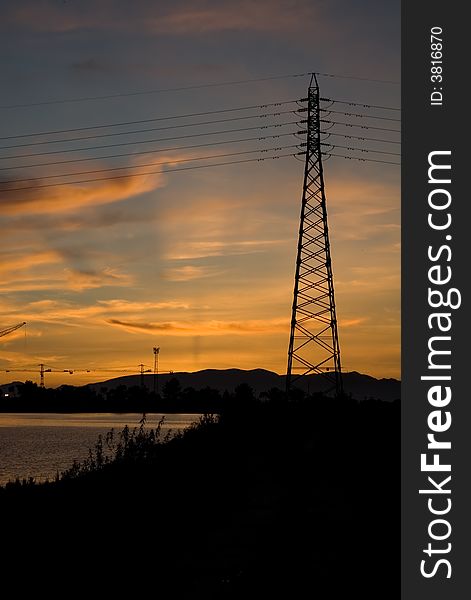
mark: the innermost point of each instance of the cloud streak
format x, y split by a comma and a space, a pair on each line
11, 264
203, 328
48, 270
61, 312
189, 273
70, 198
188, 17
205, 249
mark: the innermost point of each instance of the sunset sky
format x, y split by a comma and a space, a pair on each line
198, 262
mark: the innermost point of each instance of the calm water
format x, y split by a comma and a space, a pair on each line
39, 445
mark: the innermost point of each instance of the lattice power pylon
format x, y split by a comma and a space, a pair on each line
314, 343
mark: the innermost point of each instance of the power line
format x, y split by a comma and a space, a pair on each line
359, 126
136, 131
225, 163
358, 78
134, 143
147, 141
247, 160
386, 162
350, 103
186, 115
153, 164
189, 87
139, 121
328, 132
192, 146
355, 137
144, 152
157, 91
349, 114
360, 149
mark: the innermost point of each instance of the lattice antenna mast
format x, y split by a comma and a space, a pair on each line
314, 343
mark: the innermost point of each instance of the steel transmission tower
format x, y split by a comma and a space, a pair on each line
314, 344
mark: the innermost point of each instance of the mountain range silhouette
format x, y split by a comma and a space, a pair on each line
358, 385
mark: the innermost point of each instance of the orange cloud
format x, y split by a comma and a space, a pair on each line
54, 311
85, 280
371, 279
359, 210
40, 271
351, 322
188, 273
12, 263
72, 197
192, 328
204, 249
119, 305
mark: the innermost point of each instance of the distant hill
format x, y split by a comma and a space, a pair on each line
358, 385
6, 387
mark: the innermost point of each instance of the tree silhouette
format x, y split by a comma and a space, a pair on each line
172, 390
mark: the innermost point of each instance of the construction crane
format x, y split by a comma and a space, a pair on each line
11, 329
142, 371
42, 369
47, 369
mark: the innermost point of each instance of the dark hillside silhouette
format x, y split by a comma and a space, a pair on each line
179, 392
356, 384
125, 394
271, 497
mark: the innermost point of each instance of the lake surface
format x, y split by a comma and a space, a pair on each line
39, 445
